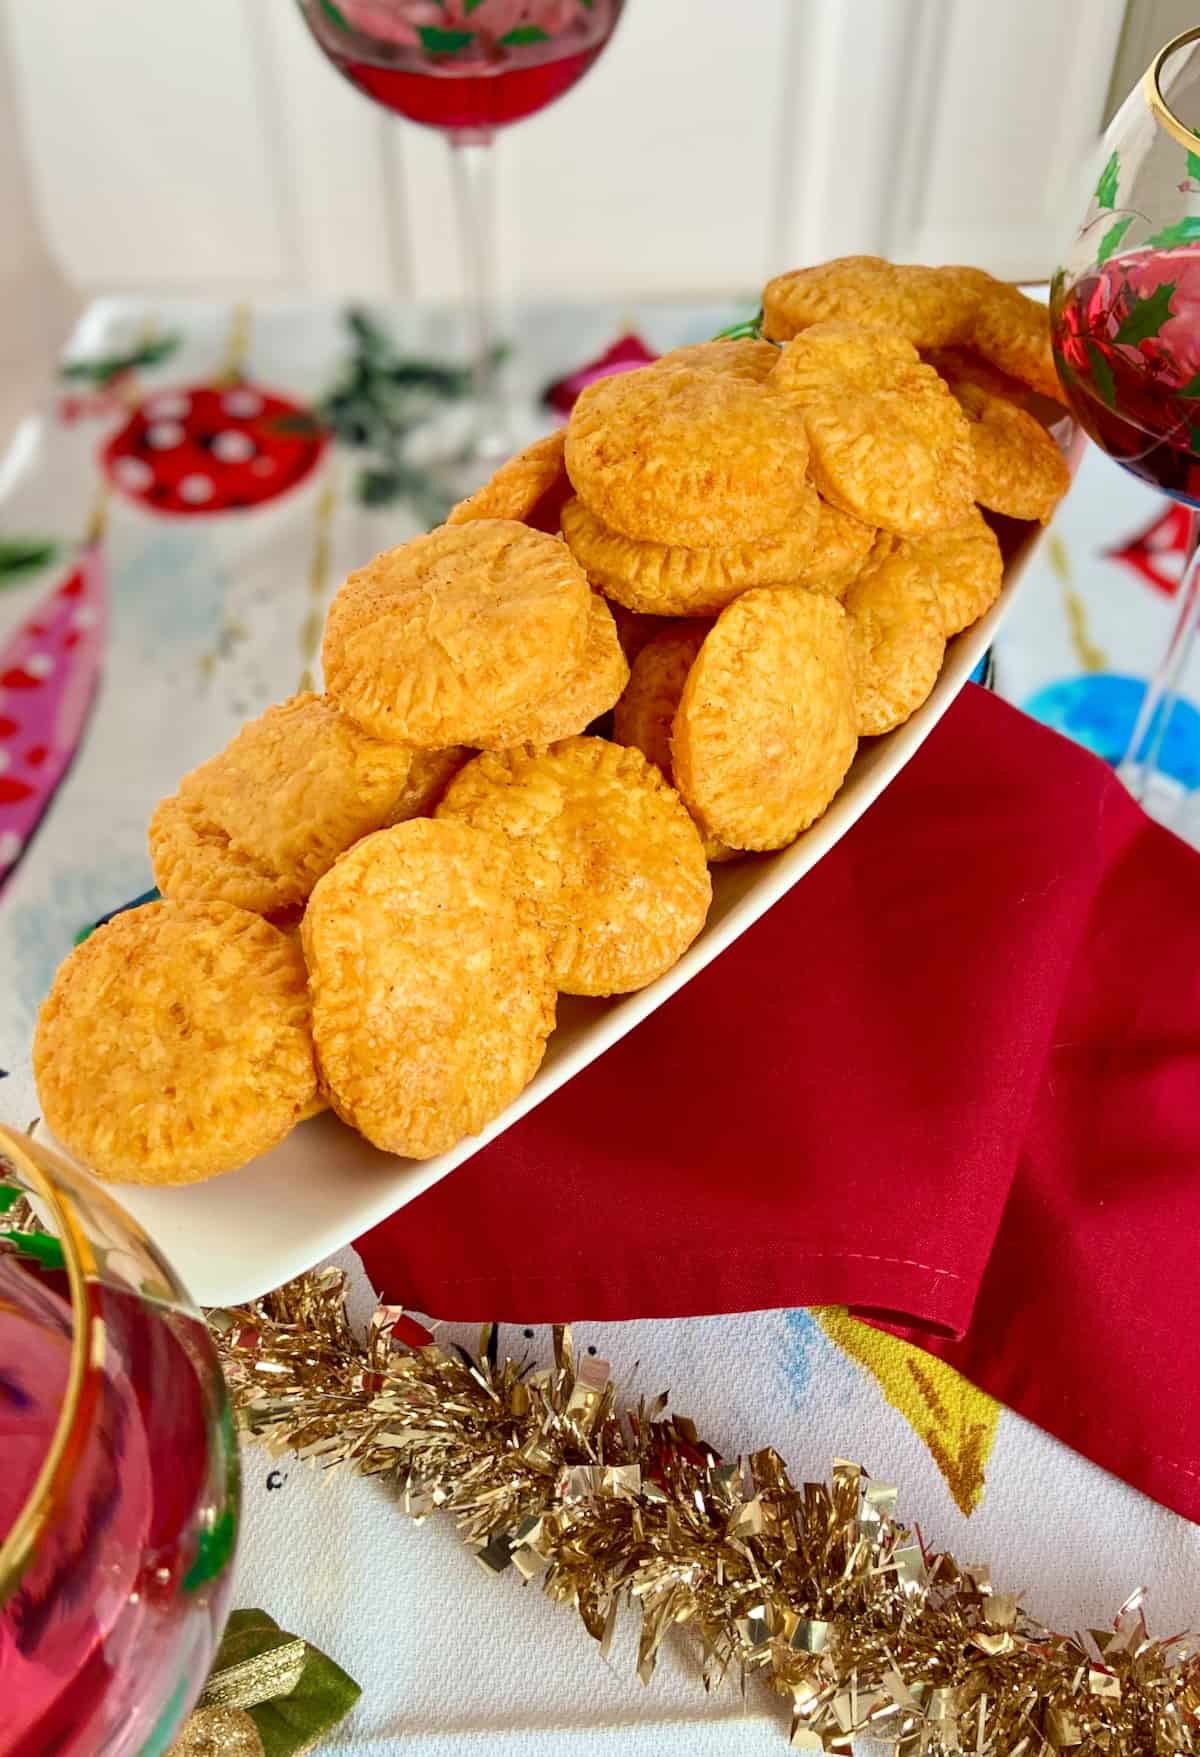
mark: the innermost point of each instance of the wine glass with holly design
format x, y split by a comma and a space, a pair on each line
1125, 322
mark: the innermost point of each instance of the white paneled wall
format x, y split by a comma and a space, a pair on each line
204, 144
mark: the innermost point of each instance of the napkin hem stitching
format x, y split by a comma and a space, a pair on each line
734, 1256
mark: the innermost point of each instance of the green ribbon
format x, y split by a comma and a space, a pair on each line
293, 1693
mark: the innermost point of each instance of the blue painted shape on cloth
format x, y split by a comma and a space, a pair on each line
804, 1341
1098, 710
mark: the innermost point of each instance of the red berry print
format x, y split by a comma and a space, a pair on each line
212, 449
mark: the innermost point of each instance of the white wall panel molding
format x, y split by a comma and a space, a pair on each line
1018, 107
208, 147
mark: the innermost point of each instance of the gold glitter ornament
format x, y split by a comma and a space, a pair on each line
218, 1732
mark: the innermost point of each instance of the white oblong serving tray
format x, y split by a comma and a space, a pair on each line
240, 1235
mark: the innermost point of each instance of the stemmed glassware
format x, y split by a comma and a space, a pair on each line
467, 68
118, 1475
1125, 320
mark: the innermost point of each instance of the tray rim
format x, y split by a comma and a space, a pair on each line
178, 1219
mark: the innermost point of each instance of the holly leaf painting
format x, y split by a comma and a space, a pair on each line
214, 1551
1146, 317
1185, 231
1102, 376
1112, 238
443, 42
1106, 189
22, 555
380, 487
371, 339
1193, 165
443, 381
335, 15
525, 33
43, 1247
103, 370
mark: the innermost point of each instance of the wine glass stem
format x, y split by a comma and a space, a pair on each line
472, 175
1140, 767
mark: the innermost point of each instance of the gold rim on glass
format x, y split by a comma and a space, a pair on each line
87, 1353
1152, 87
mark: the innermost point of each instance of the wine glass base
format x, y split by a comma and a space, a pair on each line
462, 447
1164, 799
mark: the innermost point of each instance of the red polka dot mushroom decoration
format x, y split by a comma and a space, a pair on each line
212, 448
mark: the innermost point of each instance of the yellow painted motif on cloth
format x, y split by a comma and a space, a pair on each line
955, 1421
1090, 656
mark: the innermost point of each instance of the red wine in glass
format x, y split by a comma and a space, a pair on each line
1126, 341
99, 1637
118, 1475
465, 70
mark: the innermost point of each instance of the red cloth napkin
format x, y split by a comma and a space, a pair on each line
952, 1080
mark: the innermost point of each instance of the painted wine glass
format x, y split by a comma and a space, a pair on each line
1125, 324
119, 1482
467, 68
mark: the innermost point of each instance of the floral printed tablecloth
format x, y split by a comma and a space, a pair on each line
173, 522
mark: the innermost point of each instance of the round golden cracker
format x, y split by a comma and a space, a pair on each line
587, 693
963, 366
964, 566
287, 794
688, 456
896, 638
429, 776
765, 730
1019, 469
834, 360
841, 548
446, 638
175, 1043
634, 631
517, 487
431, 991
889, 444
899, 460
736, 357
930, 307
195, 862
633, 887
1012, 332
659, 579
645, 713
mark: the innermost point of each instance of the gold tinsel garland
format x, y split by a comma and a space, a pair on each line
814, 1589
